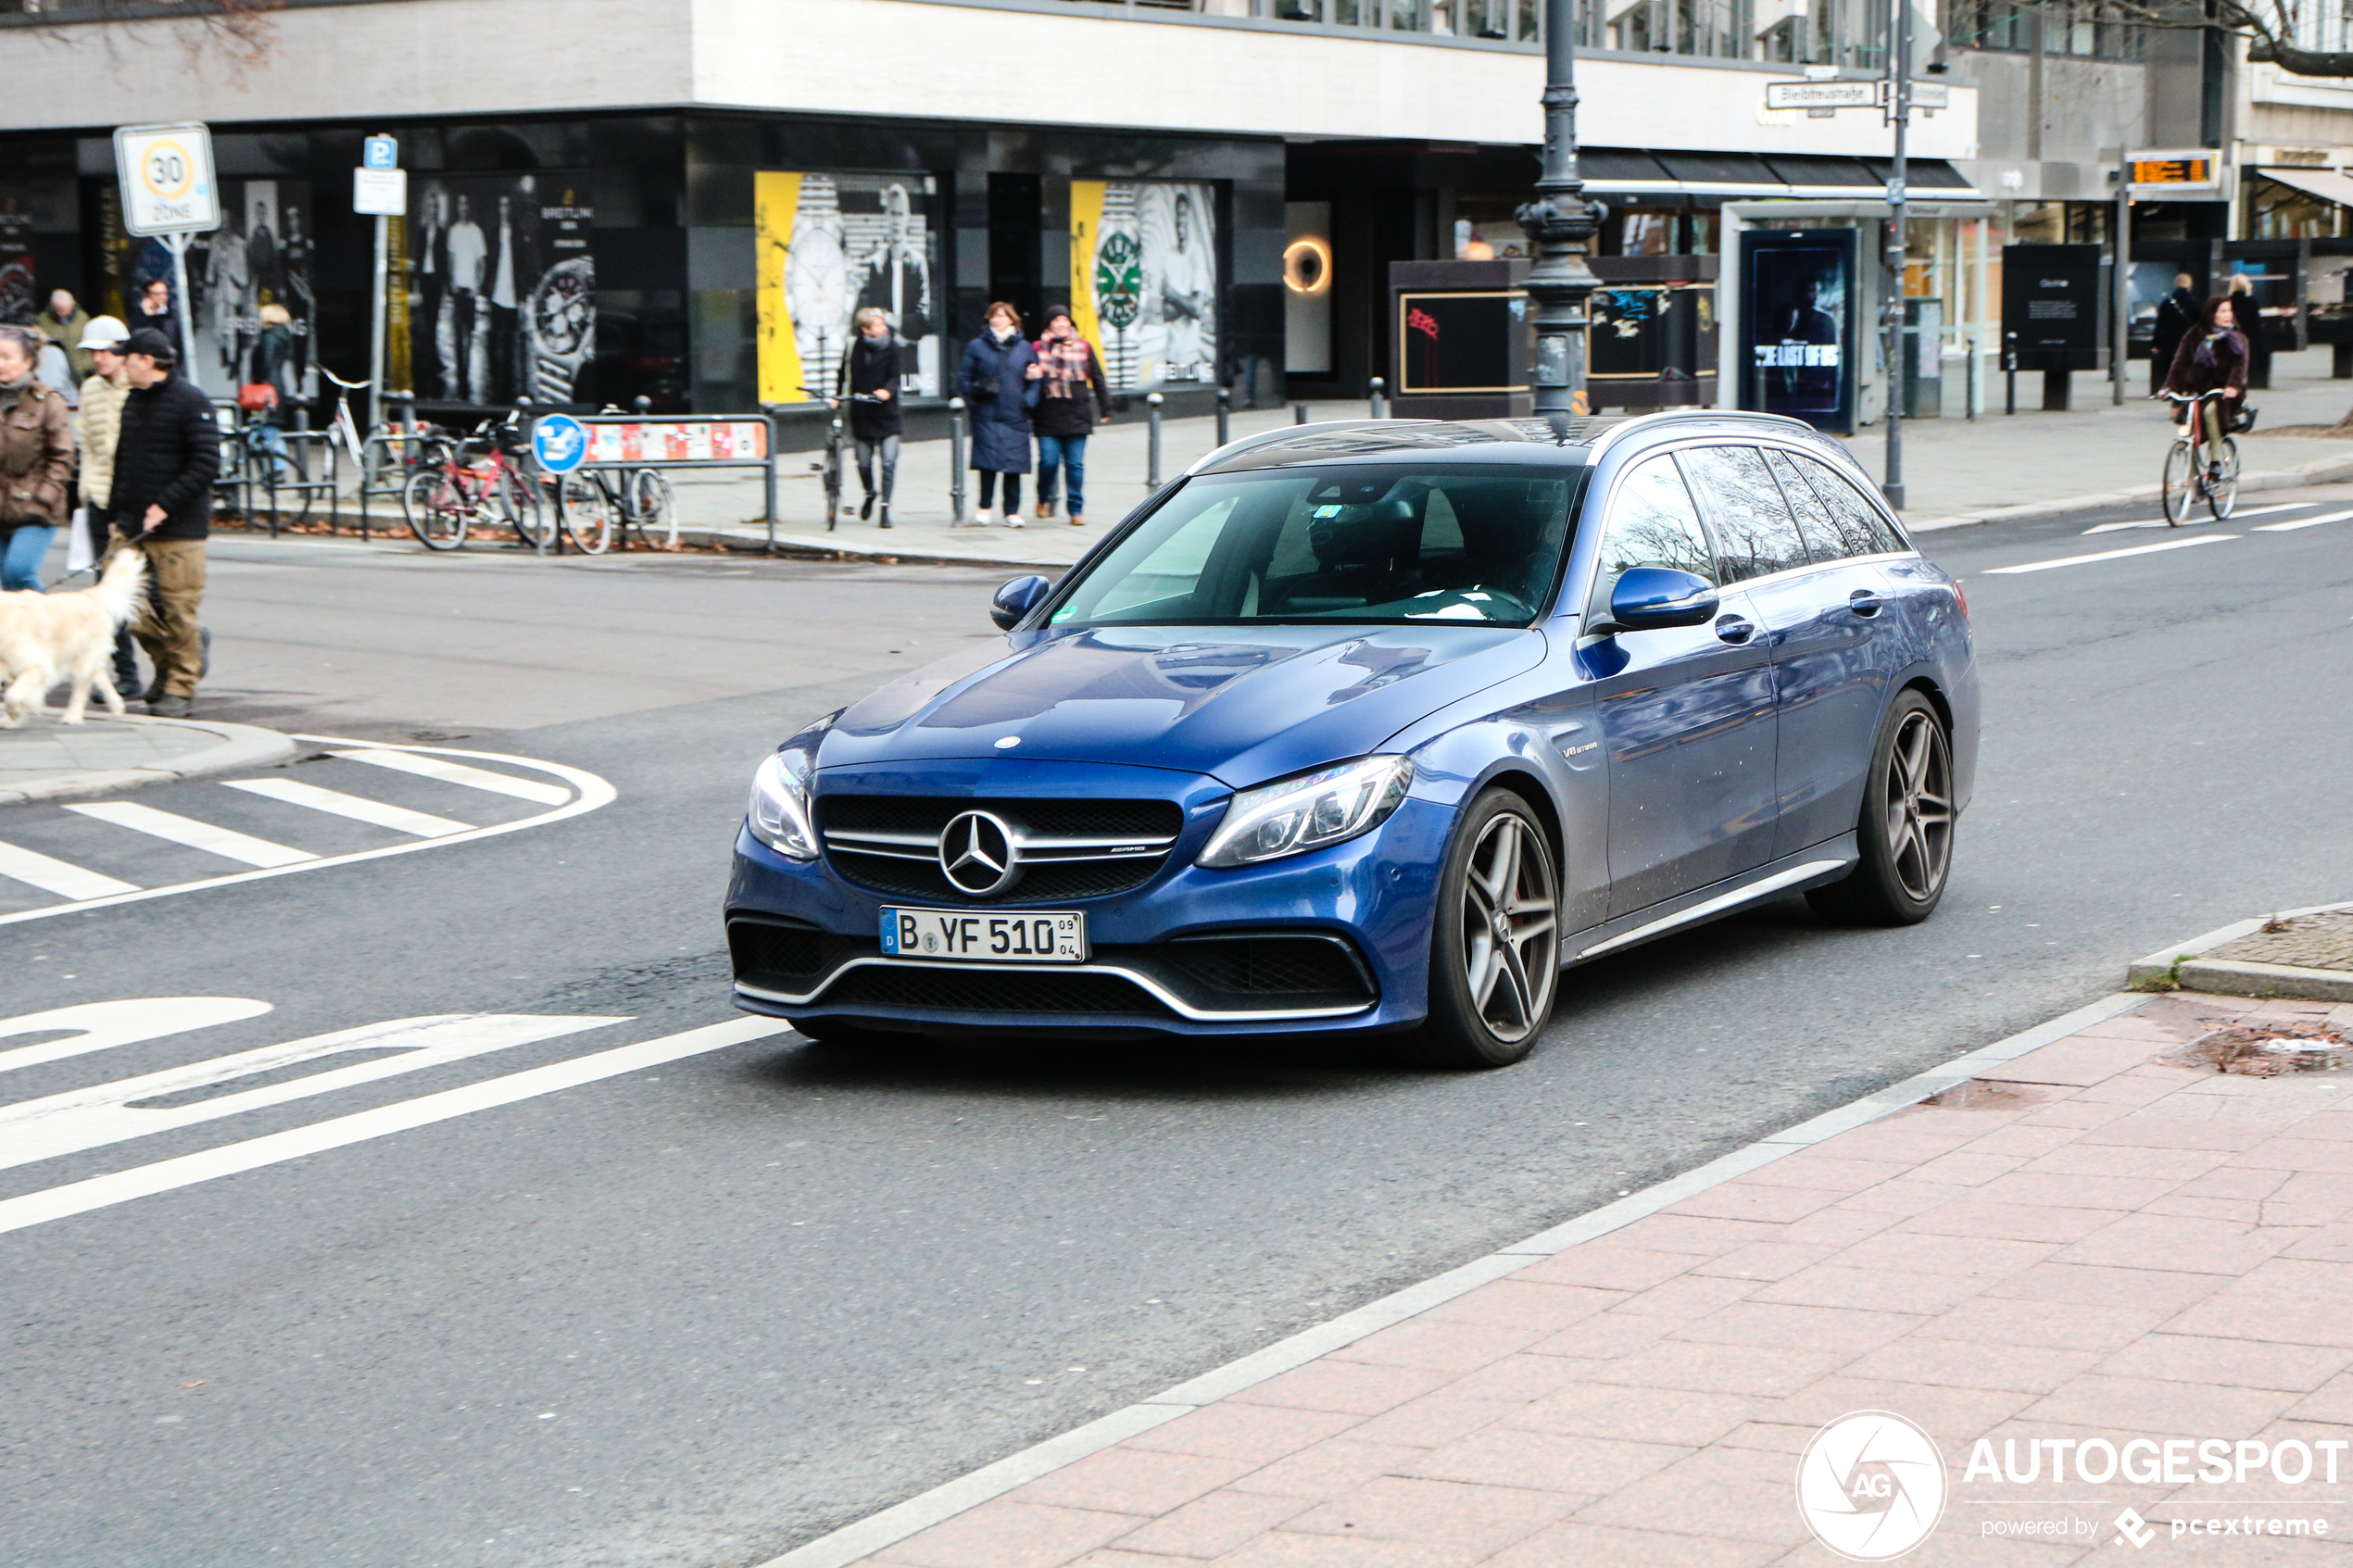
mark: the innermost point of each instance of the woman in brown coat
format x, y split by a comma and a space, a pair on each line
36, 461
2213, 358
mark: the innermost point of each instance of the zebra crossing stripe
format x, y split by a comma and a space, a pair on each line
228, 845
61, 877
459, 774
357, 807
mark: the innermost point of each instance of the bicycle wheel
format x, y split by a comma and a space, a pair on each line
2181, 473
833, 477
652, 504
2223, 490
519, 504
437, 513
590, 510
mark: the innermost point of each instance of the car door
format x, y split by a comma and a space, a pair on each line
1686, 712
1841, 652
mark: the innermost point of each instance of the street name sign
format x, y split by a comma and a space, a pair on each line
1821, 94
166, 173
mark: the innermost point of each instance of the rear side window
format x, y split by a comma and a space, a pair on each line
1652, 522
1859, 523
1754, 532
1824, 541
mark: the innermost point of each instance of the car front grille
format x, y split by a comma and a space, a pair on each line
1067, 850
1263, 970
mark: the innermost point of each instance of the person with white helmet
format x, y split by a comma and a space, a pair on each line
102, 397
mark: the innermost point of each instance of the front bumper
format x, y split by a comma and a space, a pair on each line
1335, 939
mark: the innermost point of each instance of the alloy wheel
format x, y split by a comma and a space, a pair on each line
1509, 926
1920, 807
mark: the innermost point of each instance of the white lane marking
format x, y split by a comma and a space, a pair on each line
105, 1113
2112, 527
228, 845
2108, 555
590, 793
164, 1176
357, 807
459, 774
2236, 516
2299, 522
103, 1025
61, 877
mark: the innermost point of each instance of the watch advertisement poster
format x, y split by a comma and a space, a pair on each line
502, 287
830, 245
251, 280
1798, 325
1143, 278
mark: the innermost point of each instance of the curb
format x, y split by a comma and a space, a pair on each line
241, 746
2321, 471
841, 1548
801, 548
2184, 965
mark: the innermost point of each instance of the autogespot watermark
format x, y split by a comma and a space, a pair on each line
1872, 1486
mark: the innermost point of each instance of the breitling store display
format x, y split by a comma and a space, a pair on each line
1143, 278
259, 256
833, 245
502, 287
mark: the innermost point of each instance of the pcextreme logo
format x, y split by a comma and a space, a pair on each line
1870, 1485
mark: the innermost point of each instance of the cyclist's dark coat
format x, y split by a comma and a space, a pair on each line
871, 365
2227, 374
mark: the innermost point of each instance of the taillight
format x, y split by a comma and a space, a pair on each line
1960, 598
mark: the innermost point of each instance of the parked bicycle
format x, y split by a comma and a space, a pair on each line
599, 505
2196, 468
479, 484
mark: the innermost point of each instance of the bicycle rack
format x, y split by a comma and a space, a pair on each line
256, 467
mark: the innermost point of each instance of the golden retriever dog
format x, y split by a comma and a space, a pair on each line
45, 638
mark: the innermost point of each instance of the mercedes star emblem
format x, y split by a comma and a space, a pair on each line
977, 854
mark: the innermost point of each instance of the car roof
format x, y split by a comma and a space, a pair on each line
1558, 440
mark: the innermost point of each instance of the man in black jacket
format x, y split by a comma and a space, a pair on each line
164, 461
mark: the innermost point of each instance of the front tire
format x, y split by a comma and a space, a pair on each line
1494, 963
1905, 832
2179, 476
2222, 491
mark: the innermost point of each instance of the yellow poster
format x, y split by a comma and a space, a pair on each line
775, 199
1086, 227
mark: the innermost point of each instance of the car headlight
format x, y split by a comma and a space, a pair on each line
1309, 811
779, 816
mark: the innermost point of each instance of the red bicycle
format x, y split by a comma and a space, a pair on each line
481, 482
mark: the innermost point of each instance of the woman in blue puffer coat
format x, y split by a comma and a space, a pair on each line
998, 388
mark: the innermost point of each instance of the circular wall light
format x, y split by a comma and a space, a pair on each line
1307, 267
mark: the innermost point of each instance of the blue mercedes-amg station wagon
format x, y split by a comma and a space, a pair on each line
1378, 727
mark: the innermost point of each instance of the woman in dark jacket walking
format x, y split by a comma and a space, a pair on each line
998, 388
1071, 389
870, 373
2212, 358
36, 460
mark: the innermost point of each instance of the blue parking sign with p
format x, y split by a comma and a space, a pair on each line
380, 152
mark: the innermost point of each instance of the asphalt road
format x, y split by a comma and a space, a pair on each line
697, 1313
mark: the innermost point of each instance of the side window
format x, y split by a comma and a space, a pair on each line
1858, 518
1755, 532
1821, 529
1652, 522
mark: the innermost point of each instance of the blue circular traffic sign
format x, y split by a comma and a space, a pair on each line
559, 442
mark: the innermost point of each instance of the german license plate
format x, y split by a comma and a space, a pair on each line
1025, 936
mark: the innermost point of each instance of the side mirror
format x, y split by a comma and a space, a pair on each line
1648, 597
1020, 596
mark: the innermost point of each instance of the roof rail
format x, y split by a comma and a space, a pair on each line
1641, 422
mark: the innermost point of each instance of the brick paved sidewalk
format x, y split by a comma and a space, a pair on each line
2084, 1242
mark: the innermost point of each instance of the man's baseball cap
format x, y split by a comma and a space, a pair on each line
103, 331
151, 343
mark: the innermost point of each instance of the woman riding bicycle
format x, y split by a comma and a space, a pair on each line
2212, 359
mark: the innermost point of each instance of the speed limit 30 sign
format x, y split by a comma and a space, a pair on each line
168, 186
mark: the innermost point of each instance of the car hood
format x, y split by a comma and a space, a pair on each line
1241, 704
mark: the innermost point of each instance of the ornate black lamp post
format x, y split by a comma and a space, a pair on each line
1559, 224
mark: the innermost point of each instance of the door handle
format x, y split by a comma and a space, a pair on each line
1735, 628
1862, 601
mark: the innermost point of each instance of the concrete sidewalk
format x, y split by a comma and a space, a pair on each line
2090, 1241
46, 759
1956, 470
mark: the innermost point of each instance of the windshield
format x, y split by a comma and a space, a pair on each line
1384, 543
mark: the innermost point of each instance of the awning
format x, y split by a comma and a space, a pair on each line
1625, 176
2326, 183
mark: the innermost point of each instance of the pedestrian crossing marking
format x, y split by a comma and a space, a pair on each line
357, 807
459, 774
65, 880
91, 1118
212, 840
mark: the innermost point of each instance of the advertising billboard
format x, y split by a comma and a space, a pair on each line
1797, 333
